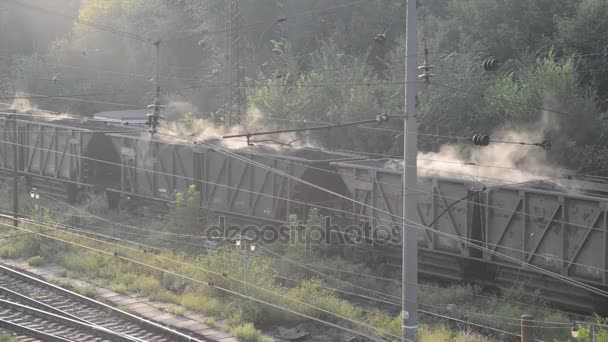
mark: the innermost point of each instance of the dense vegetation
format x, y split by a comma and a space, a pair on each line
553, 54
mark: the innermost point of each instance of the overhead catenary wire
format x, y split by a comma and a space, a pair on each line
416, 225
75, 99
346, 212
332, 209
213, 285
81, 21
338, 210
541, 323
309, 265
462, 240
425, 311
35, 96
376, 299
498, 98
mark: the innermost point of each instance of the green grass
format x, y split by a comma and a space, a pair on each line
35, 261
4, 337
119, 287
166, 296
210, 321
176, 310
202, 303
246, 332
87, 291
145, 285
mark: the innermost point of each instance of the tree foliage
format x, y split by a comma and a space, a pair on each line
320, 63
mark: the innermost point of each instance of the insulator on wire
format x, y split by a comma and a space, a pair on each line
546, 145
380, 38
491, 64
481, 140
426, 68
382, 118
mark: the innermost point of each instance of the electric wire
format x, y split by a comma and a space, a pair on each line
364, 216
73, 98
214, 285
424, 311
501, 99
375, 299
388, 221
191, 236
416, 225
140, 245
83, 22
464, 241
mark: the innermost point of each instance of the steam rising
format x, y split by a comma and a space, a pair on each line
205, 130
498, 163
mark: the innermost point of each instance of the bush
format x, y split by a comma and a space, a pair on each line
165, 296
202, 303
210, 321
88, 291
119, 287
35, 261
4, 337
176, 310
145, 285
246, 332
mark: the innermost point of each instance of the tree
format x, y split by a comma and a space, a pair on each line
584, 35
187, 216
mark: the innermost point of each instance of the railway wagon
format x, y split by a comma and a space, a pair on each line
68, 157
564, 232
378, 187
241, 183
55, 155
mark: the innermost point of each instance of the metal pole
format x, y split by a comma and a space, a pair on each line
593, 333
15, 174
527, 330
409, 281
245, 266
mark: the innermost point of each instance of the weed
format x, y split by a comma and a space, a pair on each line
210, 321
35, 261
65, 283
176, 310
87, 291
246, 332
119, 287
165, 296
145, 285
202, 303
4, 337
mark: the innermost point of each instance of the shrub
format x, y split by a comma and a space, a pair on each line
176, 310
88, 290
165, 296
210, 321
119, 287
35, 261
4, 337
145, 285
246, 332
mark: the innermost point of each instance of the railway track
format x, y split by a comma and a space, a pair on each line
36, 310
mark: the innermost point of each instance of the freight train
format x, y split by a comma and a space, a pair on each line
561, 230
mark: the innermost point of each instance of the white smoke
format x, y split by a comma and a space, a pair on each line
205, 130
504, 161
